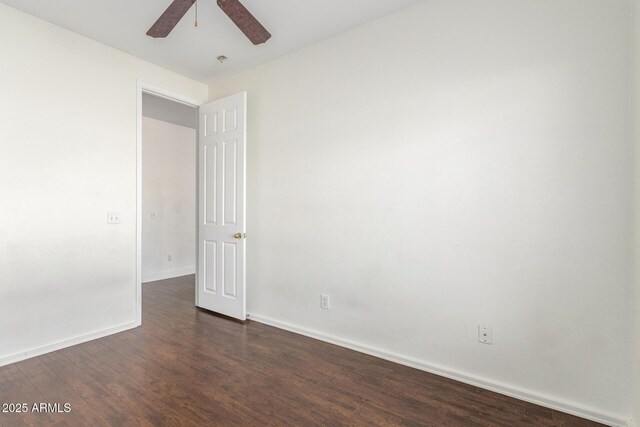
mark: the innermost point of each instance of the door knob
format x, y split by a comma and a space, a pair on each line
240, 236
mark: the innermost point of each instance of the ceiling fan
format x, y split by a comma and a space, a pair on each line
235, 10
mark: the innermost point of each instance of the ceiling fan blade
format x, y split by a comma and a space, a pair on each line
247, 23
170, 18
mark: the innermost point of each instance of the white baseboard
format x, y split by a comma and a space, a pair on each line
168, 274
27, 354
511, 391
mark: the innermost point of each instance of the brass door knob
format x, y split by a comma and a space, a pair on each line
240, 236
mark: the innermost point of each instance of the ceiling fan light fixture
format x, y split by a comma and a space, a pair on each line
235, 10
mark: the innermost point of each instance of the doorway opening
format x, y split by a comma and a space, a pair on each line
169, 205
166, 195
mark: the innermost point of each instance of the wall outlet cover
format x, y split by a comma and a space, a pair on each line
485, 334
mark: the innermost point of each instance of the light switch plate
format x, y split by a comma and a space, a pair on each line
485, 334
325, 302
113, 217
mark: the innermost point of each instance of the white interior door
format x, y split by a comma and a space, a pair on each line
221, 212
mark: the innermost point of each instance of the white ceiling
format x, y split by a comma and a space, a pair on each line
192, 52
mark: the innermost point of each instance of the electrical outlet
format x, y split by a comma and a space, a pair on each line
169, 258
325, 302
113, 217
485, 334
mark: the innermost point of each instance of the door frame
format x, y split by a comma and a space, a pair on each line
143, 87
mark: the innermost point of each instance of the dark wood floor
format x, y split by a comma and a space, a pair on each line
188, 367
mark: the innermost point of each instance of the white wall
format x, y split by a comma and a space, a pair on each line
168, 200
456, 163
67, 156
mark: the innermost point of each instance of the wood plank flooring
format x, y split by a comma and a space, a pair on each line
188, 367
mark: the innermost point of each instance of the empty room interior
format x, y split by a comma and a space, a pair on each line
336, 212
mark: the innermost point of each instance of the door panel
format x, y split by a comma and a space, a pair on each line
230, 176
230, 261
221, 222
210, 276
210, 184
